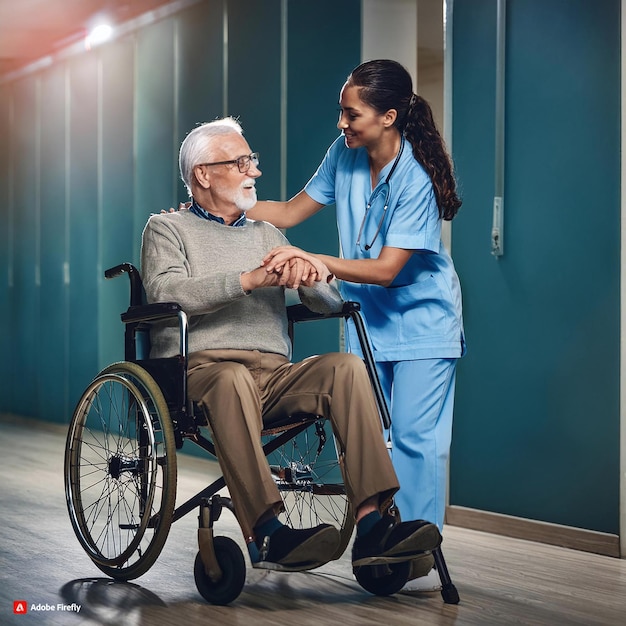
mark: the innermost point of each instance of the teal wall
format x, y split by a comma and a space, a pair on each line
89, 150
537, 418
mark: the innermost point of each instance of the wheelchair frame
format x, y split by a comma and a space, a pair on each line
138, 457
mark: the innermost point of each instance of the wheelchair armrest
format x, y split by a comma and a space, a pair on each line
300, 313
138, 314
137, 317
151, 312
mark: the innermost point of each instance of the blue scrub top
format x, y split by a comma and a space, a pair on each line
419, 315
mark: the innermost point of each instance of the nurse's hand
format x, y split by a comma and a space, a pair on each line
277, 258
181, 207
295, 273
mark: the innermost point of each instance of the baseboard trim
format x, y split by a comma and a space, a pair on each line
533, 530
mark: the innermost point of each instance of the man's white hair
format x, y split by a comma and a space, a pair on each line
199, 145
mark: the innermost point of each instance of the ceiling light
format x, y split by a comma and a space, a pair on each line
98, 35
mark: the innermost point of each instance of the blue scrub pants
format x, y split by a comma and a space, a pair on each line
420, 396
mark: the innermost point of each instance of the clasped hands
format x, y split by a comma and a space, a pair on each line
286, 266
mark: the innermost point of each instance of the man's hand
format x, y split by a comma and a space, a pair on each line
294, 273
258, 278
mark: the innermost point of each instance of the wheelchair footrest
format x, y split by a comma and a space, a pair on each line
277, 567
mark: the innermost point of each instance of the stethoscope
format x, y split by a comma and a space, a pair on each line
377, 192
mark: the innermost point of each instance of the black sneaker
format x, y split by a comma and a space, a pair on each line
392, 542
289, 549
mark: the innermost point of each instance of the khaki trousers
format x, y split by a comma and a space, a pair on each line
242, 391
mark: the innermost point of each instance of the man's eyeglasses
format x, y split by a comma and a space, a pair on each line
243, 162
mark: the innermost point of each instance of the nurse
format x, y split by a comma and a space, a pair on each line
392, 182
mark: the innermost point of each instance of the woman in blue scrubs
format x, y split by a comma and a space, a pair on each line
392, 182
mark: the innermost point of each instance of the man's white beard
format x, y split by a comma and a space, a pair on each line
244, 201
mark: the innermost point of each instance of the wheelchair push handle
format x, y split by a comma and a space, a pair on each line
118, 270
136, 286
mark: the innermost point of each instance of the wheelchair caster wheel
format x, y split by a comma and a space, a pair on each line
383, 580
233, 565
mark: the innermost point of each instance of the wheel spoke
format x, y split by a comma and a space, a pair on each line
308, 477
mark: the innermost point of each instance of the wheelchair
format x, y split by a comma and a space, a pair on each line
120, 463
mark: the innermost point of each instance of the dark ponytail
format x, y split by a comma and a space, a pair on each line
387, 85
429, 150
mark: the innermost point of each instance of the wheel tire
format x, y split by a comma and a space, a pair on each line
319, 496
233, 565
383, 580
120, 471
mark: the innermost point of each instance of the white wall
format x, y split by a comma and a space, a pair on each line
389, 31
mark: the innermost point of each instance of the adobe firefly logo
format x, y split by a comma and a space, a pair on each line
20, 607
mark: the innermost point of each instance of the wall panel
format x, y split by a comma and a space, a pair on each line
117, 191
84, 215
156, 185
6, 248
199, 90
52, 372
537, 419
26, 246
254, 82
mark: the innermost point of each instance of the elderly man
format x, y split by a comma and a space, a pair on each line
208, 259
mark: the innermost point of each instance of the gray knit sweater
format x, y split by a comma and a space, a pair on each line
197, 263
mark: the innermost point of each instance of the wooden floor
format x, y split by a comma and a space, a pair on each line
501, 581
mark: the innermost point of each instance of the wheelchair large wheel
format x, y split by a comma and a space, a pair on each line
120, 471
307, 473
